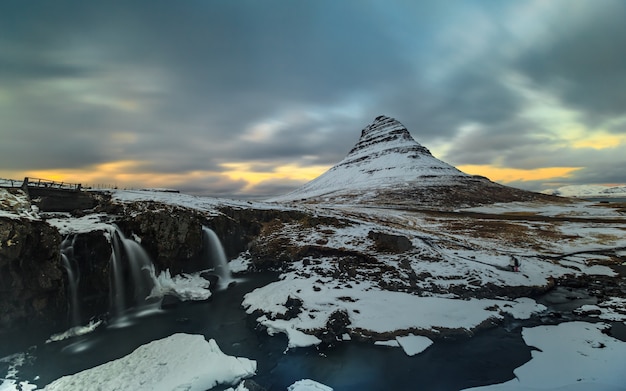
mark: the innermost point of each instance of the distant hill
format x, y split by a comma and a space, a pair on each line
388, 167
588, 191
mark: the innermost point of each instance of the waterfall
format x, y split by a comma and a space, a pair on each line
128, 252
67, 256
216, 258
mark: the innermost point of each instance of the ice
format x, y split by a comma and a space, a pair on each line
414, 344
184, 286
178, 362
75, 331
308, 385
372, 309
571, 356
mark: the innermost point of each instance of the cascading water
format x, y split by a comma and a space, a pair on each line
139, 279
67, 256
217, 258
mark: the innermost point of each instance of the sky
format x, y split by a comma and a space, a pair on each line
254, 98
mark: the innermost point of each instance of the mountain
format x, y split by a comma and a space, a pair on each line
388, 167
589, 191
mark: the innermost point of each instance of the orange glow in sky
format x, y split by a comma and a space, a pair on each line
505, 175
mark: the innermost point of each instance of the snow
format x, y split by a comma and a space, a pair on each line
414, 344
612, 309
208, 205
184, 286
68, 225
574, 355
379, 160
15, 204
240, 264
369, 308
579, 209
178, 362
240, 387
392, 343
10, 382
589, 191
75, 332
308, 385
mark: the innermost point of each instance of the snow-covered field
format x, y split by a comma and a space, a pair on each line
574, 356
456, 277
178, 362
589, 191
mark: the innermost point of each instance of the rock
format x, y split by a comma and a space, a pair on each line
336, 326
32, 284
92, 254
172, 235
294, 308
390, 243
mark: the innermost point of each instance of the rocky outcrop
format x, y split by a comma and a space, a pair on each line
171, 235
92, 254
31, 280
385, 242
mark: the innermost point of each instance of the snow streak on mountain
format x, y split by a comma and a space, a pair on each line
387, 166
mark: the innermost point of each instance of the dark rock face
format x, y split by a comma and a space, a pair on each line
171, 235
92, 254
386, 131
54, 200
335, 327
390, 243
31, 280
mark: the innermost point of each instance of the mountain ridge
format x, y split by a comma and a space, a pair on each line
388, 167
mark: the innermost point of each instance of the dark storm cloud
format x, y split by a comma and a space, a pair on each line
223, 64
181, 87
584, 63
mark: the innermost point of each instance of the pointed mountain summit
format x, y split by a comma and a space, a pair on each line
388, 167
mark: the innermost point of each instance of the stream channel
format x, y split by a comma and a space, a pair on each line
488, 357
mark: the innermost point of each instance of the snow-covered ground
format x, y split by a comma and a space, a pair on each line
178, 362
589, 191
405, 299
372, 311
575, 356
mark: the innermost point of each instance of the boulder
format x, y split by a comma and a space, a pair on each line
390, 243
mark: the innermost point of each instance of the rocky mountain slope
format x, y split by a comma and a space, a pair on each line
388, 167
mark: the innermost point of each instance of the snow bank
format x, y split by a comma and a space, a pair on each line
370, 308
571, 356
308, 385
9, 383
414, 344
67, 224
178, 362
15, 204
75, 331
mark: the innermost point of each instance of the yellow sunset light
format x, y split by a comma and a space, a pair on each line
503, 174
247, 172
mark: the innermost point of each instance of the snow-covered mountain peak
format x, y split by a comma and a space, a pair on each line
385, 134
387, 166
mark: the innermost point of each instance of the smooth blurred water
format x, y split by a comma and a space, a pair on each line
488, 357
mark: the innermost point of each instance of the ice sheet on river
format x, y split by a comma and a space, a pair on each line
572, 356
180, 361
371, 309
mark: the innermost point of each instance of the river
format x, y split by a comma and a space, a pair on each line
488, 357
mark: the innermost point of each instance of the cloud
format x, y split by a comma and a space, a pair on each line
583, 63
185, 88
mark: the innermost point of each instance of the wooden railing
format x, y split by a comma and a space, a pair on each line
10, 183
48, 184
